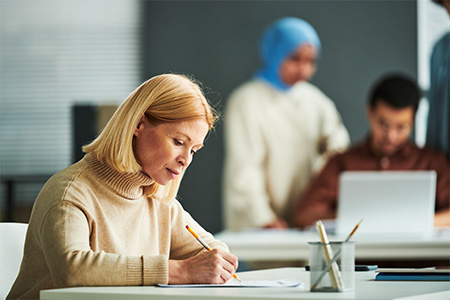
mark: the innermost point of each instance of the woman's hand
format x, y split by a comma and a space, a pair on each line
215, 266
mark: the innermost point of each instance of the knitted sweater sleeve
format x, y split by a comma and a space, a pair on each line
183, 244
64, 236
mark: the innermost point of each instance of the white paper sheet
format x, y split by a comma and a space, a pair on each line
289, 282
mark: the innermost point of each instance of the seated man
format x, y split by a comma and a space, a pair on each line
390, 110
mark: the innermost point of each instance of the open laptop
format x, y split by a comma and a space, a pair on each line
389, 202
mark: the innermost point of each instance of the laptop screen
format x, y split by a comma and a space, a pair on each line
389, 202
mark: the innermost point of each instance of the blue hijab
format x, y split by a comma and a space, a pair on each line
279, 41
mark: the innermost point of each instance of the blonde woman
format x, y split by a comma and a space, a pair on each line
112, 218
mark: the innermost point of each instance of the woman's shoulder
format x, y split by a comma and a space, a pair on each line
250, 91
68, 174
311, 90
58, 188
72, 182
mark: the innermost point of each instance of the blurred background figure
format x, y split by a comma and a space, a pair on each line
391, 108
439, 93
279, 130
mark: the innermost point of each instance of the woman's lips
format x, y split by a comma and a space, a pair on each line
173, 174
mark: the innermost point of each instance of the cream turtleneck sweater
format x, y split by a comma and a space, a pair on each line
93, 226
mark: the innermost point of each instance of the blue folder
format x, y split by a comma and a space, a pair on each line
416, 275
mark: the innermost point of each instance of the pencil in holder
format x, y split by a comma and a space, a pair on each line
332, 266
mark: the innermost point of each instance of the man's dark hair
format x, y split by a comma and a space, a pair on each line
397, 90
439, 2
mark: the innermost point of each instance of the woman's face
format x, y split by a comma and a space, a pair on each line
164, 151
300, 66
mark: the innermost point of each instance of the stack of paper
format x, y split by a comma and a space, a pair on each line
290, 282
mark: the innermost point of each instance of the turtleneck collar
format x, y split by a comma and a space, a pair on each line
128, 185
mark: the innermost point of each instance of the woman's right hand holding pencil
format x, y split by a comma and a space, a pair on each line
210, 267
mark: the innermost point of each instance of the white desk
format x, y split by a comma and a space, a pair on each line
366, 288
288, 245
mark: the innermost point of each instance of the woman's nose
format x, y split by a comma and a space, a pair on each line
185, 159
181, 161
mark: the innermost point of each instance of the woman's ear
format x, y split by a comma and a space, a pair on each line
140, 126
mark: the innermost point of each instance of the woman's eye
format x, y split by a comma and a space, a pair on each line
193, 152
295, 58
178, 142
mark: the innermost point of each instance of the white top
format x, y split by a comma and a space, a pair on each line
272, 143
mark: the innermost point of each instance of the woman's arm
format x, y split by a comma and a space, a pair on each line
189, 261
65, 239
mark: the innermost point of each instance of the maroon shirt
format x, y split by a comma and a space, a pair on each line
320, 197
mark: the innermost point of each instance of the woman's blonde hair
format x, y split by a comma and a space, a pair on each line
163, 98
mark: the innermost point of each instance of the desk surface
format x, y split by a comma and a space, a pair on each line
284, 245
366, 288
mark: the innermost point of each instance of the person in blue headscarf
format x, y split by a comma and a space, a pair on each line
289, 50
279, 130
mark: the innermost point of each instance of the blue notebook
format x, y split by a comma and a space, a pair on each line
414, 275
